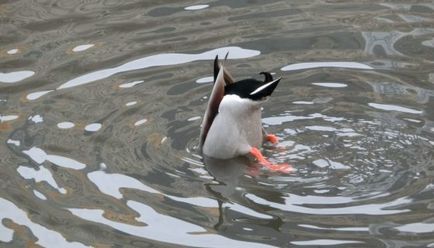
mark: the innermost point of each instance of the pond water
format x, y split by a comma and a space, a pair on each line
101, 104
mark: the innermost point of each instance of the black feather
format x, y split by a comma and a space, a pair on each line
216, 67
268, 76
245, 87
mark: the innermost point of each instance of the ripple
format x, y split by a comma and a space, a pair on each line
39, 195
45, 237
39, 156
36, 119
205, 80
41, 175
14, 142
331, 85
194, 118
132, 103
131, 84
416, 228
362, 173
326, 163
140, 122
324, 242
65, 162
390, 107
347, 229
197, 7
312, 65
428, 43
156, 228
321, 128
295, 203
159, 60
93, 127
111, 183
303, 102
16, 76
4, 118
82, 48
13, 51
38, 94
65, 125
278, 120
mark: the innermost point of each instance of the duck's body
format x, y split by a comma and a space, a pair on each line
232, 124
235, 130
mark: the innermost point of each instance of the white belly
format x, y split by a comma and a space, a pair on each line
232, 136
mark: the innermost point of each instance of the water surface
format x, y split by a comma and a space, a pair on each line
101, 103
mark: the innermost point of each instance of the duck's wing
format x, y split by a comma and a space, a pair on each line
217, 94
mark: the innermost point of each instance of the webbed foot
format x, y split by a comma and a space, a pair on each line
272, 138
256, 153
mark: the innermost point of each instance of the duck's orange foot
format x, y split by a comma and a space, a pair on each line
271, 138
285, 168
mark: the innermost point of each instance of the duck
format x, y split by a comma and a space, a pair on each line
232, 123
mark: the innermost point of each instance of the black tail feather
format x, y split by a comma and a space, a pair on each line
216, 67
268, 76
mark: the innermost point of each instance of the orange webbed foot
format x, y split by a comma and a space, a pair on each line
285, 168
271, 138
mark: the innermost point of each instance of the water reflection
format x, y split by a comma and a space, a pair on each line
65, 125
45, 237
205, 80
295, 203
38, 94
131, 84
36, 119
115, 163
13, 51
417, 228
153, 225
324, 242
389, 107
4, 118
227, 173
40, 156
39, 195
331, 85
312, 65
160, 60
197, 7
40, 175
15, 76
428, 43
82, 48
111, 183
93, 127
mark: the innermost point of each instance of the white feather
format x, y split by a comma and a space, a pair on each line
236, 128
263, 87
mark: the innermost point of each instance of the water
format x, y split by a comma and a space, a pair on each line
101, 102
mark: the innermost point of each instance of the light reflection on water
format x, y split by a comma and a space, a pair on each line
159, 60
157, 228
337, 64
100, 107
15, 76
46, 237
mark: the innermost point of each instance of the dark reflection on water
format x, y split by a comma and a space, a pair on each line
101, 103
